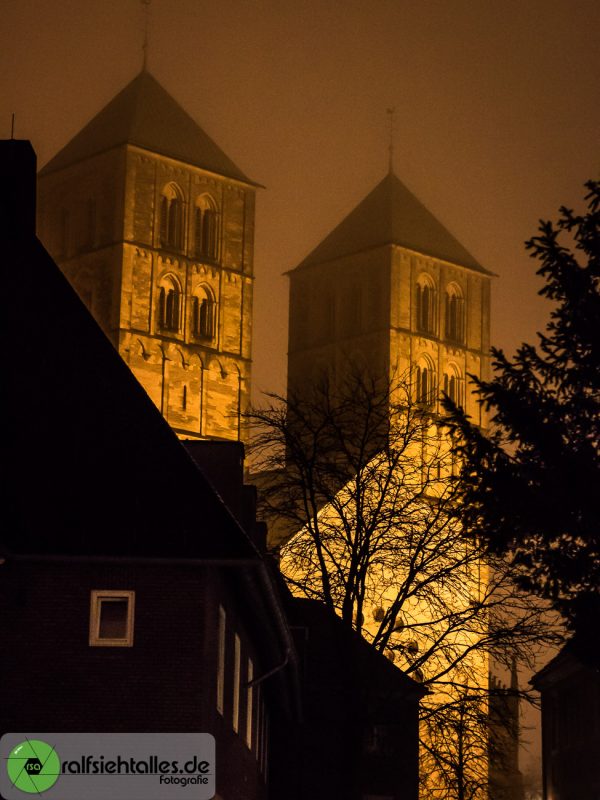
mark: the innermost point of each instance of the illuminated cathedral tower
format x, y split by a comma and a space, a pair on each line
154, 226
390, 288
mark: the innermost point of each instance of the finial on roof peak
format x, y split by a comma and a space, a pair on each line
391, 114
146, 11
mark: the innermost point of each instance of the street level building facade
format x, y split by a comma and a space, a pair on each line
154, 227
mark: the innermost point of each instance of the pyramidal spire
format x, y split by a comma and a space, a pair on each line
144, 114
391, 116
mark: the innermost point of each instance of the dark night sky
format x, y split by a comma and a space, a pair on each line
497, 106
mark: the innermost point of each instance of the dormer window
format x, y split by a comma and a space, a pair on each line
169, 304
205, 228
171, 217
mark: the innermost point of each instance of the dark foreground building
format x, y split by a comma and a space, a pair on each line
134, 592
570, 690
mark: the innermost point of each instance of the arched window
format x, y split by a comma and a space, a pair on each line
454, 384
425, 382
455, 314
425, 304
171, 217
203, 314
169, 304
205, 228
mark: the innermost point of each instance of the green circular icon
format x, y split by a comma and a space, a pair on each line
33, 766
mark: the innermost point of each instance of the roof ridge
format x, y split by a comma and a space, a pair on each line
391, 214
144, 114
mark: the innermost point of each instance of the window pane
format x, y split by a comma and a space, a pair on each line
113, 619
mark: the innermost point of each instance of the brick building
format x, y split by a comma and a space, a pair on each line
570, 690
135, 595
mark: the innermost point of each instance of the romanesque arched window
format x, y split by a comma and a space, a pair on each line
203, 313
171, 217
455, 313
425, 383
169, 304
454, 384
205, 228
426, 304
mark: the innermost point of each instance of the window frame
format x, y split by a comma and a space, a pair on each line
206, 239
455, 314
170, 304
426, 305
171, 224
204, 314
96, 598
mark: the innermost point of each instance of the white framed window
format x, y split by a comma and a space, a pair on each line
249, 704
237, 663
111, 618
221, 660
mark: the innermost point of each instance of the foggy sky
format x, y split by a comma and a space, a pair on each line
497, 108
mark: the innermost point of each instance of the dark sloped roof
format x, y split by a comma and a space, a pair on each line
89, 466
144, 114
391, 214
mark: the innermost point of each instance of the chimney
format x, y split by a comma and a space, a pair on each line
18, 166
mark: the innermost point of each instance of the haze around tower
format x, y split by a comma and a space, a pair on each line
497, 118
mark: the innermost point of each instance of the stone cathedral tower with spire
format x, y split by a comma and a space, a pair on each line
154, 226
391, 289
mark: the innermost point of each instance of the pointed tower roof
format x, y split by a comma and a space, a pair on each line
90, 466
145, 114
391, 214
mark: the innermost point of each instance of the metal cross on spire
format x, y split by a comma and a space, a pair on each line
146, 9
391, 112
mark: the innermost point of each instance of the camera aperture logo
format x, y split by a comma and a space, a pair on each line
69, 766
33, 766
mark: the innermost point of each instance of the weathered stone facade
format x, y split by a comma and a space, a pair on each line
172, 293
355, 300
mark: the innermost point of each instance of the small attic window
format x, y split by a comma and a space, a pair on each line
111, 618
